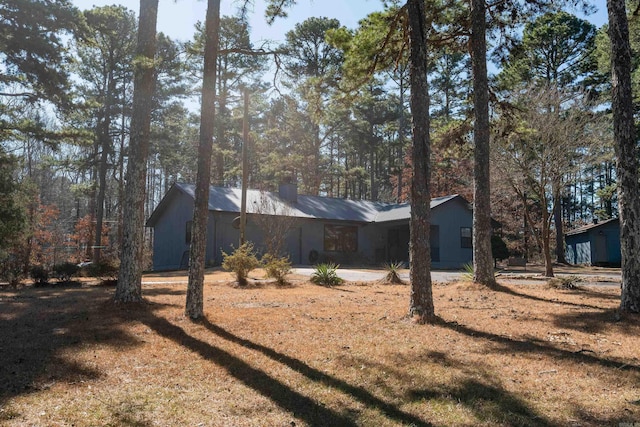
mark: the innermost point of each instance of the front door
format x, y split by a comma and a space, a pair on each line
601, 256
398, 244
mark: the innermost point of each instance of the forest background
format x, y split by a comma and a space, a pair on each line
65, 131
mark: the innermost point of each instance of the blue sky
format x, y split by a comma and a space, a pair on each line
176, 18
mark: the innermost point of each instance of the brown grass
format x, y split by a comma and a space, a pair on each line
311, 355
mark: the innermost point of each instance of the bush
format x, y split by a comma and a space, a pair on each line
39, 274
11, 270
499, 248
65, 270
103, 270
326, 274
276, 268
241, 262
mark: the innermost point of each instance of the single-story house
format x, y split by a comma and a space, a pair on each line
319, 229
595, 244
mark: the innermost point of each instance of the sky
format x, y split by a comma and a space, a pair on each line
176, 18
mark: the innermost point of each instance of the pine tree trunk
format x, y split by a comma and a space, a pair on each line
197, 252
482, 257
626, 154
102, 188
421, 302
129, 288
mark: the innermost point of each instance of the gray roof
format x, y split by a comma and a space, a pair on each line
588, 227
317, 207
399, 212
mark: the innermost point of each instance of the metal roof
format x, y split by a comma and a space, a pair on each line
588, 227
269, 203
399, 212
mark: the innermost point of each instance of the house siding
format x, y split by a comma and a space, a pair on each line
450, 218
170, 249
598, 245
579, 249
169, 233
377, 224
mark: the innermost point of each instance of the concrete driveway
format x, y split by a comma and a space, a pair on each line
355, 275
610, 277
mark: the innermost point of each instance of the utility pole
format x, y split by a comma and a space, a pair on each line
245, 168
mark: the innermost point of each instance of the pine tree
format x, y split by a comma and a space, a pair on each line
129, 288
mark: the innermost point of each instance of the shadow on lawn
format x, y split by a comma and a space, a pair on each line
487, 402
358, 393
281, 394
595, 321
39, 323
539, 346
509, 291
476, 389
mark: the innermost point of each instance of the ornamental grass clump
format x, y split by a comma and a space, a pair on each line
241, 262
393, 273
326, 275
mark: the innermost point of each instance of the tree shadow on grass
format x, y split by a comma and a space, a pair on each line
314, 413
285, 397
509, 291
476, 390
488, 402
359, 393
40, 323
592, 291
595, 321
152, 291
539, 346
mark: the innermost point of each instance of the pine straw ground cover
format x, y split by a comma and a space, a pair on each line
310, 355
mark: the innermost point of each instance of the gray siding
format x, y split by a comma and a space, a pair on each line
170, 248
578, 249
382, 237
450, 217
169, 242
598, 245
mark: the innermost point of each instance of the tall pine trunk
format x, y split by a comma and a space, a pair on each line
197, 252
102, 186
627, 155
482, 257
129, 288
421, 302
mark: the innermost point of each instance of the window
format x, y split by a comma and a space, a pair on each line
466, 240
340, 238
187, 232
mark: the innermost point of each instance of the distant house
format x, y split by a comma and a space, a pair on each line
321, 228
595, 244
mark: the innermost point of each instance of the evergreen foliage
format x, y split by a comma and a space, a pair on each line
276, 268
326, 275
241, 261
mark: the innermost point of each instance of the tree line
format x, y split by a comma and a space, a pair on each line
401, 108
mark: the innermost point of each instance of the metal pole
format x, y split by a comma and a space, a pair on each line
245, 168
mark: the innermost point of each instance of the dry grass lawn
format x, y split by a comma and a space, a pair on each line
309, 355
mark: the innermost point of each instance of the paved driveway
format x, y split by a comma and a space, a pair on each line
521, 277
354, 275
